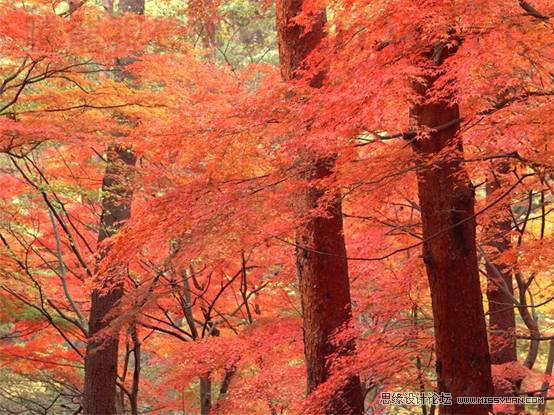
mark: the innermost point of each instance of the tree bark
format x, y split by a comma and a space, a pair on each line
502, 321
102, 349
500, 294
205, 395
137, 346
323, 277
325, 295
501, 304
548, 373
447, 202
531, 322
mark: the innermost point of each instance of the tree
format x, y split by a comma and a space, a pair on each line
447, 201
378, 133
101, 358
321, 252
500, 287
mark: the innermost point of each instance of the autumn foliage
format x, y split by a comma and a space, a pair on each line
282, 208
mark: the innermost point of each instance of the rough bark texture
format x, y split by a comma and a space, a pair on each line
296, 41
447, 202
102, 350
323, 278
325, 295
99, 397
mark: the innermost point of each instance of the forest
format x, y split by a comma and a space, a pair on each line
319, 207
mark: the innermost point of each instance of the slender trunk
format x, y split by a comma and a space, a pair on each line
205, 395
447, 202
205, 387
227, 378
502, 321
548, 373
501, 309
323, 278
102, 349
500, 295
133, 398
530, 320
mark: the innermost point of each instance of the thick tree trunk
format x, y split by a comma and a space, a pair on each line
296, 42
447, 202
325, 294
323, 277
102, 350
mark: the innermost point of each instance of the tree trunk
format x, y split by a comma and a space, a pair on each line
133, 398
501, 304
323, 278
447, 202
500, 289
102, 350
500, 294
548, 373
531, 321
325, 294
205, 395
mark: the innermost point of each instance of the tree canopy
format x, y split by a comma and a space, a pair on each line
272, 190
